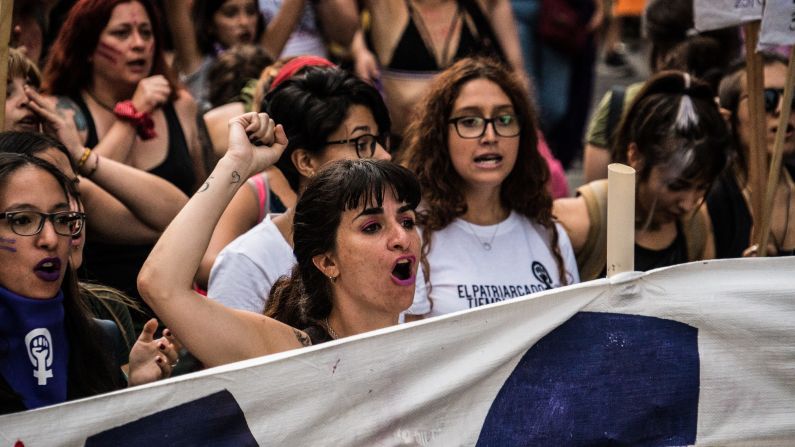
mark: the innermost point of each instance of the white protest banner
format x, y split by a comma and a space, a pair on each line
697, 354
716, 14
778, 24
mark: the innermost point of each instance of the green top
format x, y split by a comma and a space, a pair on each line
598, 134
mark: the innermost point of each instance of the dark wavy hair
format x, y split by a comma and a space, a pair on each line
427, 154
670, 27
67, 70
313, 105
202, 15
674, 119
305, 298
233, 70
91, 367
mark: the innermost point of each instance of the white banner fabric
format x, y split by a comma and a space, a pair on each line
698, 354
715, 14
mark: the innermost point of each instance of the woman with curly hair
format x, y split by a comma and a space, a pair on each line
486, 215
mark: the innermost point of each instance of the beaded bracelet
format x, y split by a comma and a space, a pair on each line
86, 154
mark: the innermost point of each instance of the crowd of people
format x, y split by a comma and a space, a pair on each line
296, 172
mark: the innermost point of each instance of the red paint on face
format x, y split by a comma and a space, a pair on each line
108, 52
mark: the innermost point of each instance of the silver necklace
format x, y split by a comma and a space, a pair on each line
486, 245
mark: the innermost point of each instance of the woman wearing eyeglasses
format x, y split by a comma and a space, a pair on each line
327, 115
486, 214
53, 349
729, 201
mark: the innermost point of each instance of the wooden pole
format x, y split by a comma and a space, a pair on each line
774, 175
757, 151
6, 14
620, 219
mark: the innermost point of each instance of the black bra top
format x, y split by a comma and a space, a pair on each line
413, 53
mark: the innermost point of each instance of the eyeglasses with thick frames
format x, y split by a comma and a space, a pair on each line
506, 125
30, 223
364, 144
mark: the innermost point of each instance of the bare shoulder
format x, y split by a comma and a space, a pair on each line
572, 213
217, 122
224, 113
185, 105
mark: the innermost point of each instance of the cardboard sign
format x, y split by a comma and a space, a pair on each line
778, 24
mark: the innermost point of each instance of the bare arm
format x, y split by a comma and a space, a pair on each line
116, 192
339, 20
594, 162
239, 217
365, 64
166, 279
217, 122
187, 56
504, 26
572, 213
281, 27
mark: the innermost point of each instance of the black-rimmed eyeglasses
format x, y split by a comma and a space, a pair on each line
365, 144
506, 125
29, 223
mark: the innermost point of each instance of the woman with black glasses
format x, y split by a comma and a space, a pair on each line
327, 114
486, 214
52, 349
729, 201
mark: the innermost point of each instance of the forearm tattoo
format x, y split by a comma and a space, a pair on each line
235, 177
302, 338
206, 185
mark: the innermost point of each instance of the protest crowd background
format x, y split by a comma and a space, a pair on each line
189, 183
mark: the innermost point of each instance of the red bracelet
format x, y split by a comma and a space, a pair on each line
142, 121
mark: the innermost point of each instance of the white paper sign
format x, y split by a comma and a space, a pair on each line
778, 24
716, 14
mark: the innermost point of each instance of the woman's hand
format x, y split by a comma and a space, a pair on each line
152, 359
58, 123
255, 141
150, 93
753, 251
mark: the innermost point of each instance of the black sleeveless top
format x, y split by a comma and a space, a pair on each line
676, 253
118, 265
731, 220
412, 53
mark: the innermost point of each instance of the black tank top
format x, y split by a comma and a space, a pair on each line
676, 253
731, 220
412, 53
118, 265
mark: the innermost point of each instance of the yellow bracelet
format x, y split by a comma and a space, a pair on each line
83, 159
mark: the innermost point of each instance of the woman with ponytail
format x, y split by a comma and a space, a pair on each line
675, 138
